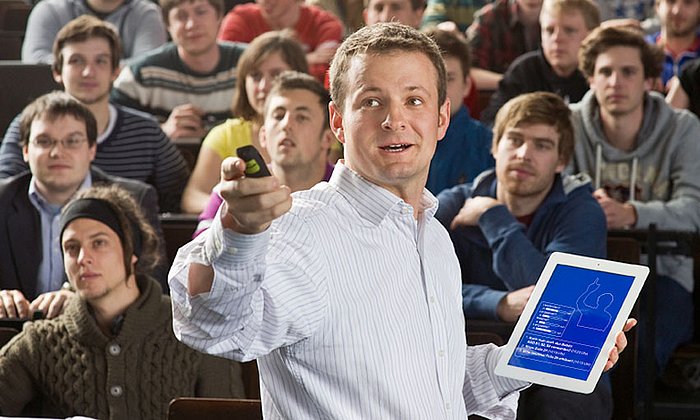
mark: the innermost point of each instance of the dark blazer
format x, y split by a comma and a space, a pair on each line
20, 228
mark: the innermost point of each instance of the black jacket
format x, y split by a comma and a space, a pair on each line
20, 228
532, 73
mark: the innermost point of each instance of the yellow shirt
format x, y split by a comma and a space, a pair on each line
225, 138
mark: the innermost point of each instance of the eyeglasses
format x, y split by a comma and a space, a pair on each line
70, 143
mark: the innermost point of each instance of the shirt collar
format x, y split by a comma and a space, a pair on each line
371, 201
110, 124
40, 201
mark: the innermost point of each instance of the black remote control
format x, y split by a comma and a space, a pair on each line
255, 166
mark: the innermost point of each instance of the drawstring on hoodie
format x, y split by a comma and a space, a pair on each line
598, 164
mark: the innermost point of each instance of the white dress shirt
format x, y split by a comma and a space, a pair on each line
351, 306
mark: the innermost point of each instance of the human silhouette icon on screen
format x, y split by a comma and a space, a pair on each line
594, 317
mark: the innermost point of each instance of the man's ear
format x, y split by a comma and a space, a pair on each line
25, 153
468, 82
336, 119
93, 151
563, 163
327, 139
560, 167
57, 77
115, 73
262, 137
443, 118
418, 16
649, 83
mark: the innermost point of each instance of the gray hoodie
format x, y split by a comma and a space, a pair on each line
664, 169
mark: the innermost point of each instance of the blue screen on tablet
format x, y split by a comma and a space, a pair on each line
571, 321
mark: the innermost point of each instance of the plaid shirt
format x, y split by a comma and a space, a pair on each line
497, 37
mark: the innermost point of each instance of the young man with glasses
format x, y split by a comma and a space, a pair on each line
58, 136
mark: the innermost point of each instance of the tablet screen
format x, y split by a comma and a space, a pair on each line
571, 322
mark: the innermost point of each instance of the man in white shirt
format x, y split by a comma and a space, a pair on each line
350, 300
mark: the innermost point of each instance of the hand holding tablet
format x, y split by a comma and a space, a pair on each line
578, 306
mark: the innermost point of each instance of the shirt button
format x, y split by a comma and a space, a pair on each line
232, 250
448, 407
432, 299
441, 353
116, 391
115, 349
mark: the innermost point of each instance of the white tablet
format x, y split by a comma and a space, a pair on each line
569, 324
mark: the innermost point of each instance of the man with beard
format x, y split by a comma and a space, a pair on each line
507, 222
679, 34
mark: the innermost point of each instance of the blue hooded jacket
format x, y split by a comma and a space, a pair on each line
501, 254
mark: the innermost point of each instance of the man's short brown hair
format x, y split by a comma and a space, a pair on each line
537, 108
54, 105
81, 29
259, 49
452, 45
379, 39
602, 39
167, 5
290, 80
589, 10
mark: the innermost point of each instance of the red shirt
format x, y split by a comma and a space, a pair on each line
315, 27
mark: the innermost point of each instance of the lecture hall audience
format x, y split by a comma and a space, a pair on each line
58, 136
112, 354
318, 31
130, 144
138, 23
187, 83
200, 87
267, 56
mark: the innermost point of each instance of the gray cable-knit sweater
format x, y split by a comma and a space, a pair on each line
67, 366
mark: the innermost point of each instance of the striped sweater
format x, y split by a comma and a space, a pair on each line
160, 81
135, 148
